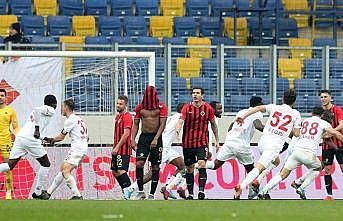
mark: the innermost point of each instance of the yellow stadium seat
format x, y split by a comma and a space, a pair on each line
172, 7
73, 43
289, 68
241, 30
300, 53
302, 20
199, 52
45, 7
188, 67
5, 23
68, 63
83, 25
161, 26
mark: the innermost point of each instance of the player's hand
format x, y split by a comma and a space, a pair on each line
153, 143
133, 145
49, 140
115, 150
216, 144
36, 134
239, 121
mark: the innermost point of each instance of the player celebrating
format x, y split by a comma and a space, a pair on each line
78, 133
7, 118
28, 140
195, 117
304, 153
327, 152
283, 120
154, 116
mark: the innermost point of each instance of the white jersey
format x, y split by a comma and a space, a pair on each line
312, 132
78, 133
169, 132
211, 134
243, 134
40, 116
282, 119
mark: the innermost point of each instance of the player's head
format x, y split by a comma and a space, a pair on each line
68, 106
179, 107
218, 108
289, 97
2, 96
328, 116
255, 101
325, 97
50, 100
317, 111
198, 94
150, 99
122, 103
15, 29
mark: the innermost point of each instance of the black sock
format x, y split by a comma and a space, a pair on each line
190, 182
249, 167
328, 184
139, 176
154, 181
202, 179
123, 180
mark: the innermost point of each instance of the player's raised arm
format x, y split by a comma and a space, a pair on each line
261, 108
334, 133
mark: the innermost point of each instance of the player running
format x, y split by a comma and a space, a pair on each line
283, 120
78, 132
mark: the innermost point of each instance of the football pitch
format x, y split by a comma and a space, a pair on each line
213, 210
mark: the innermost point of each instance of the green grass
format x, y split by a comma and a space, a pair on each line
210, 210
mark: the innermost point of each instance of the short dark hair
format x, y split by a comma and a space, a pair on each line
214, 104
289, 96
3, 91
50, 100
318, 111
328, 116
179, 107
325, 91
124, 98
200, 88
70, 104
255, 101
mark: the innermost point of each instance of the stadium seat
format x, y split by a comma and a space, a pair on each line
109, 26
199, 52
58, 25
322, 42
209, 68
75, 42
300, 53
282, 84
176, 52
135, 26
267, 31
121, 7
161, 26
159, 68
241, 30
147, 7
45, 7
172, 8
208, 84
301, 5
3, 7
20, 7
5, 22
254, 86
46, 40
92, 41
96, 7
83, 25
1, 40
336, 88
239, 102
210, 26
237, 67
221, 8
336, 68
311, 102
243, 7
269, 7
32, 25
222, 40
149, 44
184, 26
338, 101
122, 40
148, 41
70, 7
188, 67
323, 19
179, 86
289, 68
287, 29
197, 7
261, 68
231, 86
313, 69
305, 87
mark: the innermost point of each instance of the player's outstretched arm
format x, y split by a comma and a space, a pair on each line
334, 133
261, 108
214, 127
178, 128
59, 137
134, 133
258, 125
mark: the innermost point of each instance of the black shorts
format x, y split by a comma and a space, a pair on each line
193, 155
144, 151
120, 162
328, 155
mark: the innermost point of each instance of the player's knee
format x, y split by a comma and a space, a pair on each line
202, 164
190, 169
276, 161
327, 170
140, 164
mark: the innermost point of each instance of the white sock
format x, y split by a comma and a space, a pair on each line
41, 179
300, 180
311, 176
183, 184
251, 176
4, 167
265, 172
272, 183
133, 186
57, 181
209, 165
71, 183
175, 181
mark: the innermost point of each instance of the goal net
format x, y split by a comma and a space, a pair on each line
93, 80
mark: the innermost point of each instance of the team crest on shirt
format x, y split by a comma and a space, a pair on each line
202, 113
142, 154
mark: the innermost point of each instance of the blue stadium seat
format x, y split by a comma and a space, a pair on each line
311, 102
301, 104
96, 7
243, 7
231, 86
269, 6
70, 7
336, 88
20, 7
336, 68
135, 26
197, 7
313, 68
3, 7
222, 40
184, 26
267, 31
122, 40
59, 25
221, 8
321, 42
324, 19
121, 7
147, 7
159, 68
287, 29
92, 41
1, 40
209, 68
179, 86
209, 84
305, 87
282, 84
261, 68
238, 67
266, 99
147, 41
254, 86
32, 25
46, 40
176, 52
239, 102
338, 101
109, 26
210, 26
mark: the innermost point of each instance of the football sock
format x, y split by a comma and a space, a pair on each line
123, 180
154, 181
202, 179
41, 179
139, 176
251, 176
209, 165
272, 183
190, 182
328, 184
311, 176
71, 183
56, 183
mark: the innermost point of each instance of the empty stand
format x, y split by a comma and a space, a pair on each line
188, 67
109, 26
96, 7
135, 26
210, 26
199, 52
161, 26
45, 7
197, 7
121, 7
83, 25
147, 7
20, 7
185, 26
58, 25
172, 8
70, 7
5, 22
32, 25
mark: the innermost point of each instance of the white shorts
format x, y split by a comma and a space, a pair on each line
268, 156
74, 158
169, 154
23, 146
302, 157
244, 155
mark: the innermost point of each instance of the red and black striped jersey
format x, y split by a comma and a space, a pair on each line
121, 122
338, 116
